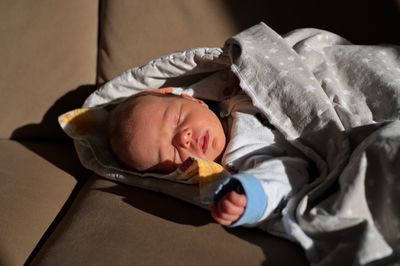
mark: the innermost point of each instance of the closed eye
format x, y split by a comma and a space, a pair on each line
176, 152
179, 116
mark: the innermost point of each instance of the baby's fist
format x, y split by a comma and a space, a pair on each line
229, 208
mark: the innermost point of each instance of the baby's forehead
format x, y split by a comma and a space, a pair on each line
146, 118
149, 103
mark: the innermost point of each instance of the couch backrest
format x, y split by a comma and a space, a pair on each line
48, 51
134, 32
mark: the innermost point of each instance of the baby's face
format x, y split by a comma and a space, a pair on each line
170, 129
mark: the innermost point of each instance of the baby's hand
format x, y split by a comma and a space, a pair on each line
229, 208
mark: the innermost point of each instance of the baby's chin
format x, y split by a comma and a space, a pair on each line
218, 159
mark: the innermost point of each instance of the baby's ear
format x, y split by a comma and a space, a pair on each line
189, 97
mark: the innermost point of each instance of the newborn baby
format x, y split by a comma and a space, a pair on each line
156, 132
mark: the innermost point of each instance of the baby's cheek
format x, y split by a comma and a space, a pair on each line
218, 146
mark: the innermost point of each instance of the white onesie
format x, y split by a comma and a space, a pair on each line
268, 168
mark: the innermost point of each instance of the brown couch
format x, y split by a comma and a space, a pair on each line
54, 54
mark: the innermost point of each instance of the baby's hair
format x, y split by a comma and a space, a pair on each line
120, 125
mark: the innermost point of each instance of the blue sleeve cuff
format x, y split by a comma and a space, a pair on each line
257, 200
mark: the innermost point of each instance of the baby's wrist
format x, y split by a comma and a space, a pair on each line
230, 185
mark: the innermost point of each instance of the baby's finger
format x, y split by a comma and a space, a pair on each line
228, 207
218, 218
227, 216
236, 198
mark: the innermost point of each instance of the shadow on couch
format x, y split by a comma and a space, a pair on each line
160, 205
63, 156
177, 211
360, 21
49, 131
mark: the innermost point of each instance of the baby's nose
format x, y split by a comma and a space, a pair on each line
183, 138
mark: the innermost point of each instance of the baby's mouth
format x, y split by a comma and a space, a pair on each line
203, 143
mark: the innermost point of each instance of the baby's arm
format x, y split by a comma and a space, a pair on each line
229, 208
249, 197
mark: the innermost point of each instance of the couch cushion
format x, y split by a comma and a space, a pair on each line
48, 48
36, 180
111, 224
134, 32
